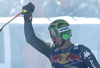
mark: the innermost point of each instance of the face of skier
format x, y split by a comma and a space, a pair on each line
57, 40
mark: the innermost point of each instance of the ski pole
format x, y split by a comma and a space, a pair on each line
11, 20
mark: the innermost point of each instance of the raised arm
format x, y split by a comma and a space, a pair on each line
30, 36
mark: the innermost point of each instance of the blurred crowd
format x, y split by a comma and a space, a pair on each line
53, 8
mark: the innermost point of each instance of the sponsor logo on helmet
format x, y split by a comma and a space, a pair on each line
64, 29
61, 24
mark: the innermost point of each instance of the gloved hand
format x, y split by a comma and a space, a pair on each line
28, 10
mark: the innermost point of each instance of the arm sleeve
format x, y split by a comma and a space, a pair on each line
88, 57
35, 42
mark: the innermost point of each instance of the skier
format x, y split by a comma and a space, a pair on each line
64, 54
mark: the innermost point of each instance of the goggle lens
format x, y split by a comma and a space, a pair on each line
54, 32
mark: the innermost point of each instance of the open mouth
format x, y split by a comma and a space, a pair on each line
54, 42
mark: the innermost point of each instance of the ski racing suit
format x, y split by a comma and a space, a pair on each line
76, 56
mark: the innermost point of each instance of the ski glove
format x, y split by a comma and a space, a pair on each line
28, 10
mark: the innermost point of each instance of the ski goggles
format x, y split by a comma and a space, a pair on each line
57, 32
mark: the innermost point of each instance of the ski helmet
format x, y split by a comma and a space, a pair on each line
60, 27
